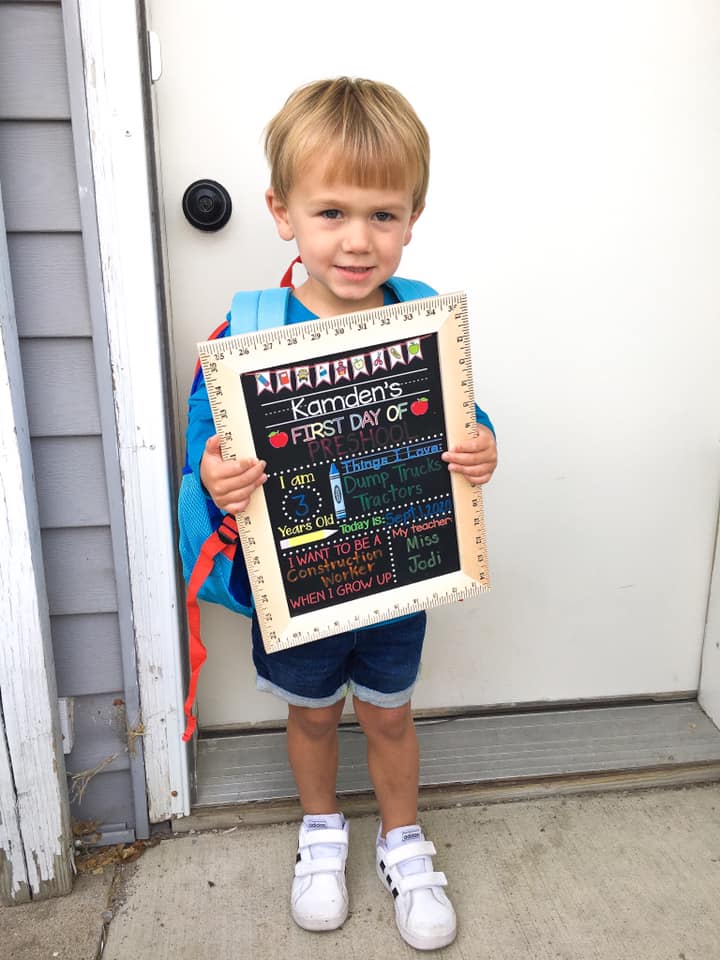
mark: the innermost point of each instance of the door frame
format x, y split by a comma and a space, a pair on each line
114, 70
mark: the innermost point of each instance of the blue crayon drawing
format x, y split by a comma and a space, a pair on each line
337, 493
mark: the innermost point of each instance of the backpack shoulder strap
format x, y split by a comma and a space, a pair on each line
272, 307
410, 289
258, 310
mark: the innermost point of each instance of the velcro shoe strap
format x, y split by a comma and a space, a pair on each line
324, 836
408, 851
420, 881
306, 868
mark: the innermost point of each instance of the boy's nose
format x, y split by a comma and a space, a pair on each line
356, 238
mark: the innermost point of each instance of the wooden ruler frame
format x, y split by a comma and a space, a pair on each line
224, 362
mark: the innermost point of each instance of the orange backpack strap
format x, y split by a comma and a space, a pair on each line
223, 540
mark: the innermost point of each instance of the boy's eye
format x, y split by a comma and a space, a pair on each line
383, 216
331, 214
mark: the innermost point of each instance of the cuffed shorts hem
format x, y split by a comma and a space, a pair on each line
380, 664
266, 686
374, 697
377, 699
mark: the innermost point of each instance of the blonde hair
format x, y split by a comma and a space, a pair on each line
366, 132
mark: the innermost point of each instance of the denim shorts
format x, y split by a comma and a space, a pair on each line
377, 664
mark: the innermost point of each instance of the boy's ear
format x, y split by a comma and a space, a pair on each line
279, 213
408, 233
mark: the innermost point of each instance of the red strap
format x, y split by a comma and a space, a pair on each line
287, 276
223, 540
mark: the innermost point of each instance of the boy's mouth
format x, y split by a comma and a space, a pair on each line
359, 271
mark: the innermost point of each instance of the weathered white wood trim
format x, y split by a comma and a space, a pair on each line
113, 71
35, 836
14, 886
709, 692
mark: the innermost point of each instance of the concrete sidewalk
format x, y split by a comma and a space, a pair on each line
615, 876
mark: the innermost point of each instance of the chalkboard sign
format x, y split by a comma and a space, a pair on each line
359, 520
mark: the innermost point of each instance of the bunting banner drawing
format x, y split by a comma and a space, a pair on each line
359, 520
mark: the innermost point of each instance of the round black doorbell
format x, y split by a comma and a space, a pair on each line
207, 205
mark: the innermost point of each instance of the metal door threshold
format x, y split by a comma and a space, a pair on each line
620, 745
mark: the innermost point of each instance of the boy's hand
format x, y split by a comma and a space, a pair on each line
475, 459
230, 482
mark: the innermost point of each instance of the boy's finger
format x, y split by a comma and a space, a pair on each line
476, 445
213, 446
240, 468
237, 500
244, 483
469, 459
251, 464
474, 475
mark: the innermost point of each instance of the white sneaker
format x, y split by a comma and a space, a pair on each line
319, 899
424, 915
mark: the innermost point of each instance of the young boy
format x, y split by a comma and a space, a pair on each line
349, 170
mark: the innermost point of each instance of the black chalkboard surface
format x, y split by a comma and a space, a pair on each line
360, 519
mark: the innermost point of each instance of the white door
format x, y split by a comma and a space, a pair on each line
574, 195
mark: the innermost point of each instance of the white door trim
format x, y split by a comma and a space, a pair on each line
35, 837
110, 36
709, 691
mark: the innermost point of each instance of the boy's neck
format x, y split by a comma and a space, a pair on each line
328, 306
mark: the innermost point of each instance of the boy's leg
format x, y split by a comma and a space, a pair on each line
393, 760
384, 671
318, 900
313, 682
312, 747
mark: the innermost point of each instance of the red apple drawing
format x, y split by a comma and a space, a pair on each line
278, 438
419, 407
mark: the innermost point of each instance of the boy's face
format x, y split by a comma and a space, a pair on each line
350, 239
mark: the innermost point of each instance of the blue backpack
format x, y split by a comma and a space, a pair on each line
212, 560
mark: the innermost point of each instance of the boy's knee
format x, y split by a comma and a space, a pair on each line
391, 723
315, 722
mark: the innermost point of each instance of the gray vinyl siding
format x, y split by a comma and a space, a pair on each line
79, 571
87, 654
59, 357
43, 262
39, 176
33, 34
66, 482
61, 386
